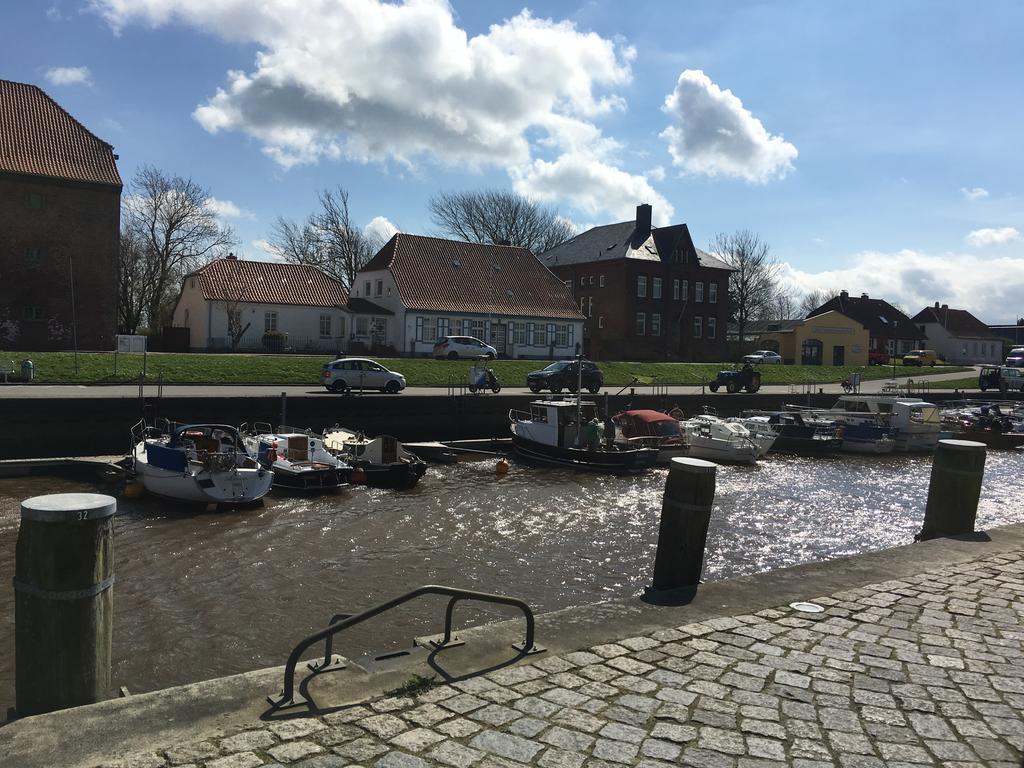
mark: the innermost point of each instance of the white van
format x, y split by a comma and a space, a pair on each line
1016, 358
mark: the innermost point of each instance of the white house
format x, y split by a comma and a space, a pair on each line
434, 287
958, 336
278, 306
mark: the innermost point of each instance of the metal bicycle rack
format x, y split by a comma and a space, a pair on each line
289, 697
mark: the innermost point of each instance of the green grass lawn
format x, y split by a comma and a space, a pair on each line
98, 368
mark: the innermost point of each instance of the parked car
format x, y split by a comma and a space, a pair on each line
564, 374
1016, 358
734, 381
921, 357
1005, 379
878, 357
764, 357
454, 347
360, 373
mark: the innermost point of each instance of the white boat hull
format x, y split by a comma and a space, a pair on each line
868, 446
240, 485
722, 451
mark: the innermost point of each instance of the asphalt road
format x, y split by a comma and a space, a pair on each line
131, 391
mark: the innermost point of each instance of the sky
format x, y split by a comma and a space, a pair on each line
875, 146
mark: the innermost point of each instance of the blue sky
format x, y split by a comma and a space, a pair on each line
875, 146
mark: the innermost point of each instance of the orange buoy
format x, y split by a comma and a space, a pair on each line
502, 467
134, 490
359, 476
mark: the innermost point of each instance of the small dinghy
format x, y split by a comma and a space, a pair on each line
299, 458
380, 462
200, 463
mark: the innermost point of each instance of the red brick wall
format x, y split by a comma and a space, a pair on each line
77, 224
618, 304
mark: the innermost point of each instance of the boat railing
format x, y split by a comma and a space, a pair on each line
342, 621
517, 415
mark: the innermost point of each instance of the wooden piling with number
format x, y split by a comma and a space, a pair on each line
63, 609
685, 516
954, 489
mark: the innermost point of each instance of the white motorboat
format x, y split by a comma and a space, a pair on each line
709, 437
299, 459
201, 463
762, 434
379, 462
915, 424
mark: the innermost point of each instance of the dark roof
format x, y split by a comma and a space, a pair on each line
766, 326
959, 322
40, 138
452, 276
882, 319
269, 282
362, 306
621, 241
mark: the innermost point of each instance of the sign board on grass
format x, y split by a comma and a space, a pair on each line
131, 344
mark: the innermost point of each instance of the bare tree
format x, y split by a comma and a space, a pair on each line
173, 231
327, 239
229, 286
499, 217
783, 305
752, 283
814, 299
133, 283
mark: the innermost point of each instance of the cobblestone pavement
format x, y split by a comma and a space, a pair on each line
921, 671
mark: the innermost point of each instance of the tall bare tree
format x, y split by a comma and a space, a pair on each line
783, 305
499, 217
753, 282
229, 285
326, 239
172, 230
133, 284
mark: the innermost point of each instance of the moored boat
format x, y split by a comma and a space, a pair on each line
651, 429
915, 423
550, 433
794, 434
712, 438
299, 459
379, 462
200, 463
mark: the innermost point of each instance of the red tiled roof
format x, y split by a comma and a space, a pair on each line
452, 276
959, 322
39, 137
269, 282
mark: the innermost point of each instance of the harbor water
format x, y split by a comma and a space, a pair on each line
205, 594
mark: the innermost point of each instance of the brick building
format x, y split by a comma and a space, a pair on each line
647, 293
60, 200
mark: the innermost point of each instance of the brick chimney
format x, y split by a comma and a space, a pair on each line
643, 222
231, 256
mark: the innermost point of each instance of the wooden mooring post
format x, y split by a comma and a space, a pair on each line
64, 605
685, 516
954, 489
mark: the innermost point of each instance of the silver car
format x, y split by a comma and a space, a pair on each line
763, 357
454, 347
360, 373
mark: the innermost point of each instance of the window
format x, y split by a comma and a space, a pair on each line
641, 286
325, 326
32, 313
712, 323
442, 328
601, 281
591, 279
697, 329
476, 328
562, 335
583, 305
600, 321
712, 294
366, 288
269, 322
540, 335
698, 292
675, 290
234, 318
362, 326
583, 280
551, 333
518, 333
35, 200
341, 325
641, 323
655, 324
656, 288
426, 329
380, 288
590, 306
686, 290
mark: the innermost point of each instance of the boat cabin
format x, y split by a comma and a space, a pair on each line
899, 411
648, 426
552, 422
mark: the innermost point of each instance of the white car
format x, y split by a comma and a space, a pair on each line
763, 357
454, 347
360, 373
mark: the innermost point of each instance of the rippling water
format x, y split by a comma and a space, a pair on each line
210, 594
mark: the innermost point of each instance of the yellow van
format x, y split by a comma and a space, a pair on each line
921, 357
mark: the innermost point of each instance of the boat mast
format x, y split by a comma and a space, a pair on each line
579, 401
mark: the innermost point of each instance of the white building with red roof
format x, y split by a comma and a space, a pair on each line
432, 287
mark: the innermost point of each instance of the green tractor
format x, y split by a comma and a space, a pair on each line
737, 380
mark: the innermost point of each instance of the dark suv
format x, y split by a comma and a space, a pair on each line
565, 375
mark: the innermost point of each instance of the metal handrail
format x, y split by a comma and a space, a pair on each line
288, 697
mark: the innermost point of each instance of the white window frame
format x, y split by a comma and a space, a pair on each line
655, 324
675, 290
656, 288
641, 286
269, 322
590, 306
698, 327
698, 292
600, 281
600, 321
325, 326
640, 324
712, 327
712, 293
686, 290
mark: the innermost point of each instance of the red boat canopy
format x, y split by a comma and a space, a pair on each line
648, 417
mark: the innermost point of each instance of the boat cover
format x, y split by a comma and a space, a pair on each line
648, 417
165, 458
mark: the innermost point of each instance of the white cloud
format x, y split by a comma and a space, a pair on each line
974, 194
368, 80
225, 209
991, 289
982, 237
590, 185
380, 229
713, 134
657, 173
69, 76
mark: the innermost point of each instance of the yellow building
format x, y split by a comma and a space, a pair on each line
827, 339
